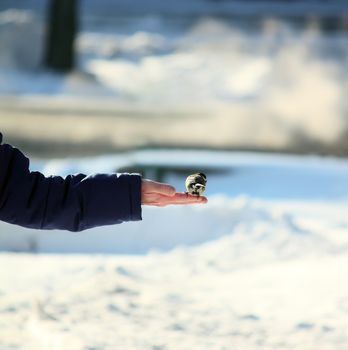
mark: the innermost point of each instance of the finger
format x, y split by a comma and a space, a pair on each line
194, 198
186, 197
181, 199
158, 187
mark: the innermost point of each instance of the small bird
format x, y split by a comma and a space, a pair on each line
195, 184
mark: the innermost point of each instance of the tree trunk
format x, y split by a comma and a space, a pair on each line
62, 28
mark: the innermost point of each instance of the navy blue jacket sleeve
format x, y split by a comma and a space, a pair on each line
75, 203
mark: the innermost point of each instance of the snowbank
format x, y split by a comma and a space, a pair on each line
251, 271
276, 281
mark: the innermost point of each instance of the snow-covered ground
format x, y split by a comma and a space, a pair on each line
262, 266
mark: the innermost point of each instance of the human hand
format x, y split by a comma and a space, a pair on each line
160, 195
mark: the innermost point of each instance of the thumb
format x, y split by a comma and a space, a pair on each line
158, 187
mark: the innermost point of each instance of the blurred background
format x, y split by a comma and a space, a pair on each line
107, 76
254, 94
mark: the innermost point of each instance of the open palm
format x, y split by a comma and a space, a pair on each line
160, 195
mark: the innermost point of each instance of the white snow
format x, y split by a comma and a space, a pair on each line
247, 271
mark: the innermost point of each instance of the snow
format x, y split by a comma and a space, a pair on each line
232, 70
246, 271
276, 282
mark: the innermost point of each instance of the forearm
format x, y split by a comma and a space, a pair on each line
75, 203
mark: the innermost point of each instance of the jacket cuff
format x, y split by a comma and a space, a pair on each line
134, 182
